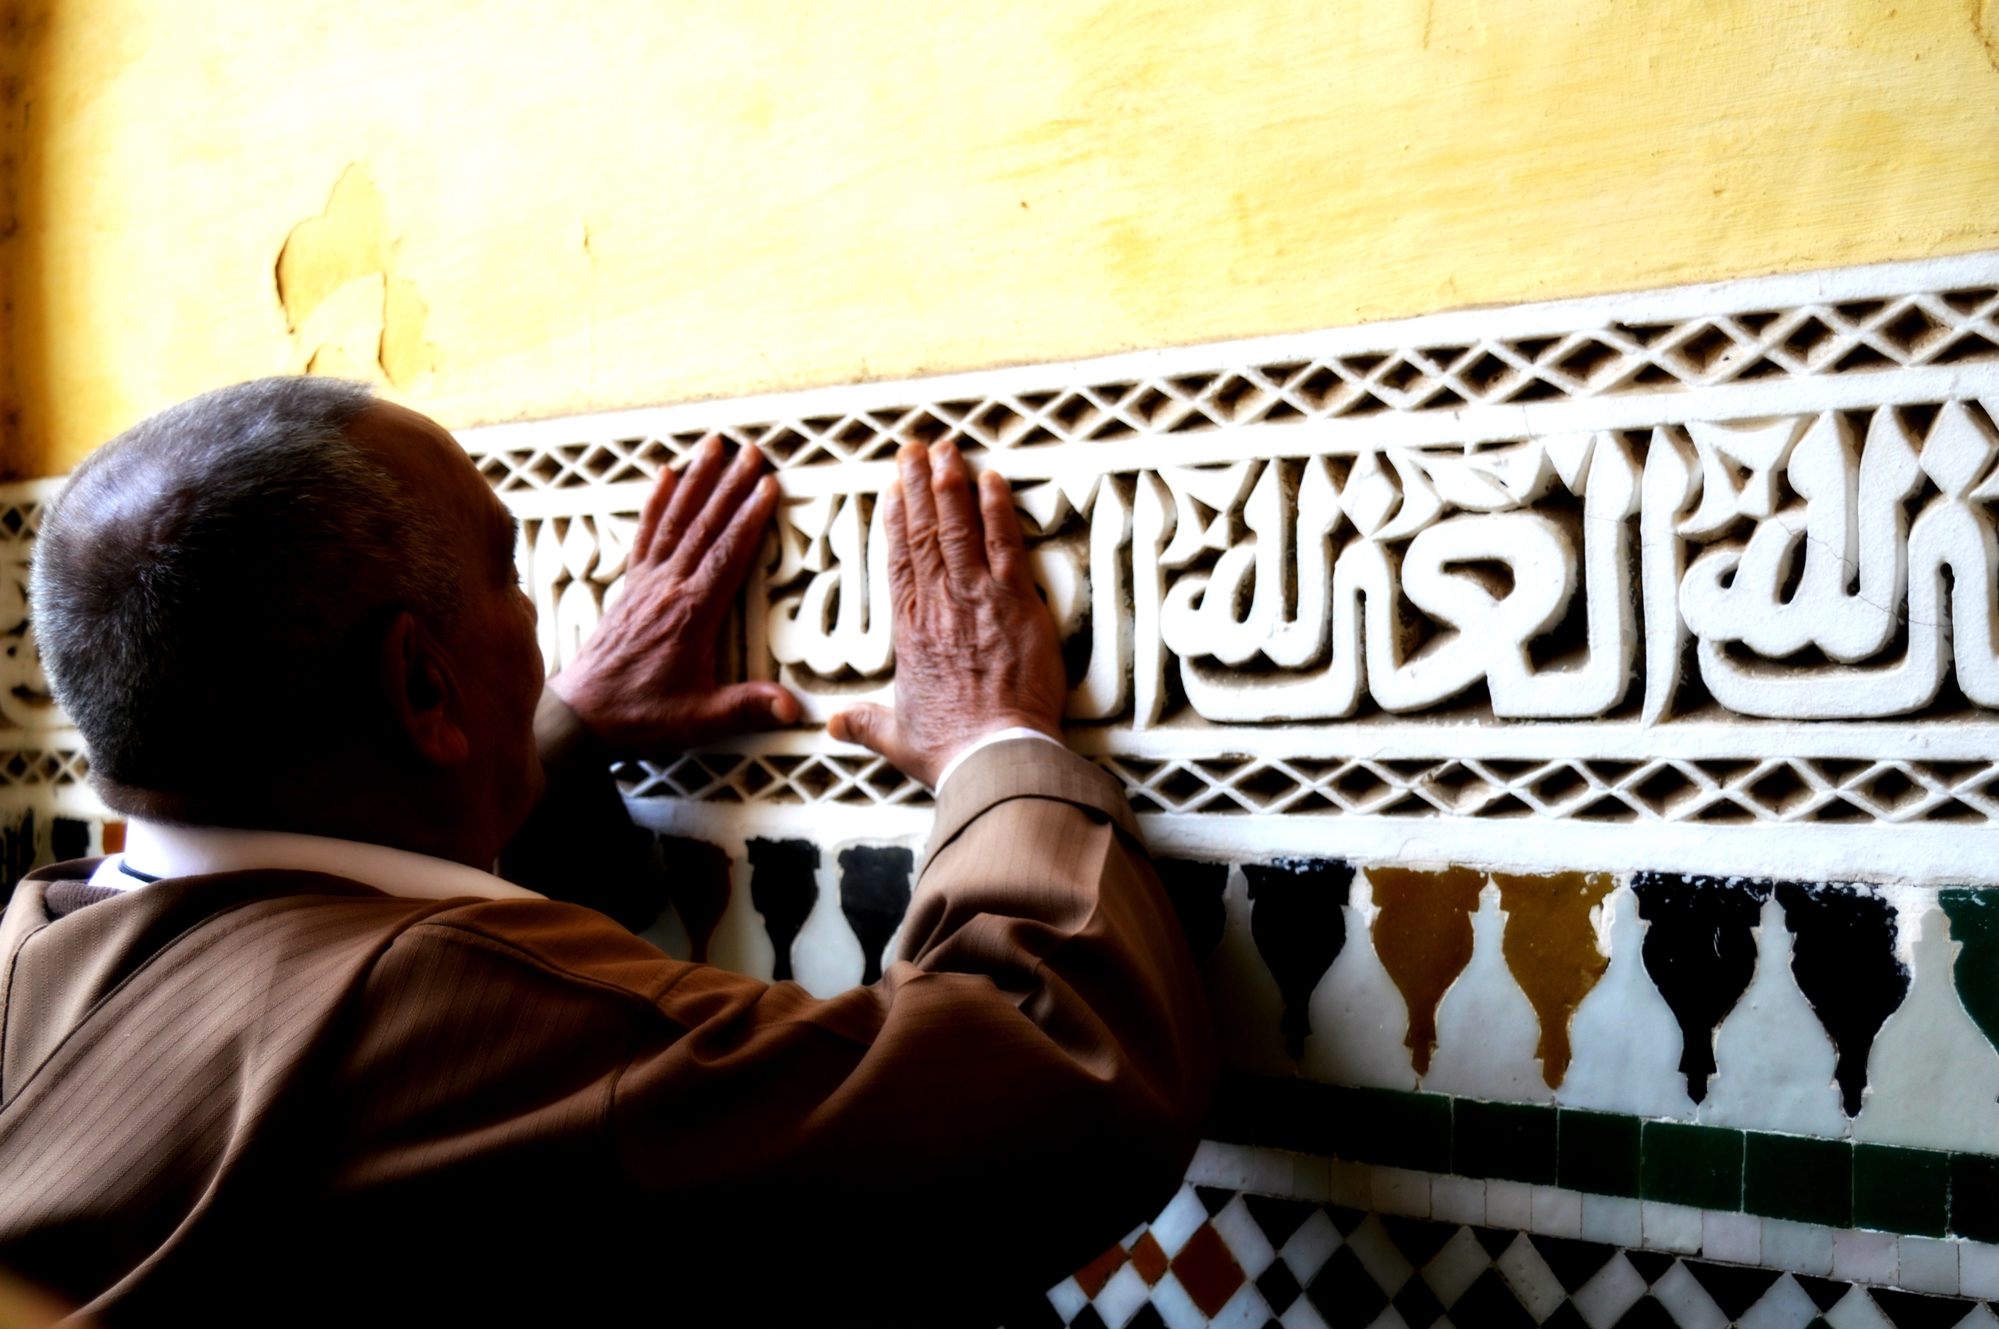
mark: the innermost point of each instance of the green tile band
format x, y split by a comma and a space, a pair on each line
1832, 1183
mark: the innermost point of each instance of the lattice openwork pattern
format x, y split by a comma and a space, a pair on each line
1787, 790
1929, 328
1740, 790
723, 777
43, 766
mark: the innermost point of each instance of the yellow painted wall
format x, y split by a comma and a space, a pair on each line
531, 208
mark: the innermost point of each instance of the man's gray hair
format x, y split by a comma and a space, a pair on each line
206, 585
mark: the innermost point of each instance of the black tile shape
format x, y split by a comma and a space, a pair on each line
1920, 1310
1824, 1292
1489, 1304
1344, 1294
1843, 958
699, 883
783, 888
1682, 1163
1597, 1152
1418, 1239
1647, 1313
1278, 1218
874, 895
1735, 1288
1087, 1318
1147, 1318
1514, 1141
1700, 955
1418, 1305
1816, 1322
1901, 1190
1563, 1316
1799, 1178
1651, 1265
1974, 1196
1214, 1199
1278, 1286
1032, 1311
1298, 922
1494, 1240
1195, 889
1573, 1262
1345, 1220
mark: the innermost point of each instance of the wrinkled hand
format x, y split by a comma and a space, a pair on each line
645, 680
975, 648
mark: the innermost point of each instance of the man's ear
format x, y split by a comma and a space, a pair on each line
421, 693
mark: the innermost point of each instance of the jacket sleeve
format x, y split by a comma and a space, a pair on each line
1024, 1084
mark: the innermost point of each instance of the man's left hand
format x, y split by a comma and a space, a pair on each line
644, 682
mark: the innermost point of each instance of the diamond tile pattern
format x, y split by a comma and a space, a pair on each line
1259, 1261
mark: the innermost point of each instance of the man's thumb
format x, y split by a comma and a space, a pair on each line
868, 724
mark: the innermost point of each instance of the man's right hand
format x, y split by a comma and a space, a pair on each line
975, 648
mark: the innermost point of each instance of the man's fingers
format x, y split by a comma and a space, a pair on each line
728, 560
919, 515
869, 724
958, 536
650, 515
1006, 548
725, 501
901, 575
739, 709
688, 497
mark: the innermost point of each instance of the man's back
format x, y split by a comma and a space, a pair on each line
217, 1087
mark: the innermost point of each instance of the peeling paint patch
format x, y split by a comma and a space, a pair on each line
349, 314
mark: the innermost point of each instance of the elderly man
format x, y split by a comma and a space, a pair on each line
296, 1055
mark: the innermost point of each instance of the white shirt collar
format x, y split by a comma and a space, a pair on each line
156, 850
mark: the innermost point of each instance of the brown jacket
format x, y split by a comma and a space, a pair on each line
282, 1096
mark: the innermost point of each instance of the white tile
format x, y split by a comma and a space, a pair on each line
1626, 1039
1212, 1164
1301, 1315
1067, 1298
1179, 1220
1614, 1220
1379, 1255
1310, 1247
1245, 1240
1456, 1266
1309, 1178
1130, 1238
1348, 1184
1610, 1292
1487, 1031
1175, 1307
1509, 1204
1802, 1248
1240, 1168
1558, 1213
1687, 1301
1864, 1257
1245, 1310
1981, 1317
1121, 1297
1531, 1278
1856, 1310
1390, 1318
1395, 1190
1360, 1020
1927, 1265
1774, 1061
1908, 1101
1732, 1238
1783, 1306
1458, 1200
1672, 1227
1978, 1270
